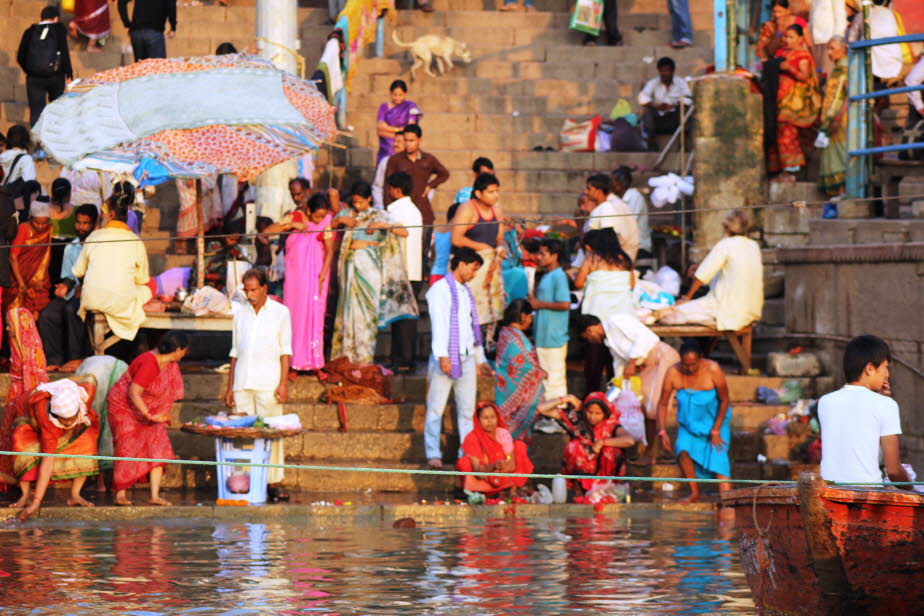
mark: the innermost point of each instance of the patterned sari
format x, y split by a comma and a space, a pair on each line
34, 432
579, 458
33, 250
798, 103
832, 175
133, 436
519, 385
488, 448
91, 19
27, 371
374, 290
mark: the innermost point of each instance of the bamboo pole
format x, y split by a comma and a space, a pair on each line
200, 237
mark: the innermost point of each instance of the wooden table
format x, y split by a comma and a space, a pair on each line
102, 338
740, 340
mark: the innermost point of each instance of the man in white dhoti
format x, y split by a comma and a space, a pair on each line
735, 274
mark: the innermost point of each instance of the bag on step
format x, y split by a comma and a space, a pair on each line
587, 16
579, 136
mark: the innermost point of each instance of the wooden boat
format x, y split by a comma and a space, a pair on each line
816, 549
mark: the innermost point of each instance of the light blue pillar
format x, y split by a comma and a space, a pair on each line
856, 123
721, 35
742, 22
380, 37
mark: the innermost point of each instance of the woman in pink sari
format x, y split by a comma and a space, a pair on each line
308, 255
91, 19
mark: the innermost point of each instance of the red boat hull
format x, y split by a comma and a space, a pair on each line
817, 550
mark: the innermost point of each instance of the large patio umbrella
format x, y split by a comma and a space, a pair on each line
187, 117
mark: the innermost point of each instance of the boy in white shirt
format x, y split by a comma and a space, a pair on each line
403, 212
859, 418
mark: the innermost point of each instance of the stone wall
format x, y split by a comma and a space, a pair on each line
865, 277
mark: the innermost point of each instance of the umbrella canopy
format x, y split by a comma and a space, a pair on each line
187, 117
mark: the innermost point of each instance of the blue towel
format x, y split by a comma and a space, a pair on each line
696, 412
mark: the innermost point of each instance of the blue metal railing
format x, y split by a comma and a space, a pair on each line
859, 112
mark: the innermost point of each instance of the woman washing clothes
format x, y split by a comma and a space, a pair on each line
597, 440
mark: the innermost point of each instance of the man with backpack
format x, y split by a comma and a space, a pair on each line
44, 58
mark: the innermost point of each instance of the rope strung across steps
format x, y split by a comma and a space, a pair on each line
799, 205
407, 471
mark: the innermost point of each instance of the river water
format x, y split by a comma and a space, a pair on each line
640, 564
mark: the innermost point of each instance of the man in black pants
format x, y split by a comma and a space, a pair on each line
62, 332
146, 27
610, 24
44, 58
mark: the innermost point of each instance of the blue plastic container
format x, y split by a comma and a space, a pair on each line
243, 453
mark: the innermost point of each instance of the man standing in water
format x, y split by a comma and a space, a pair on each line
703, 415
261, 349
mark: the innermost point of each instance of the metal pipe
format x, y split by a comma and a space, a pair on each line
720, 35
906, 38
898, 147
889, 92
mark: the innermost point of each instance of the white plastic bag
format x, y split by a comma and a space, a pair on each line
631, 416
207, 300
669, 280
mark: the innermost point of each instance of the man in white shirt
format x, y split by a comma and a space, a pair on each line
605, 209
860, 418
635, 201
457, 351
261, 349
403, 212
660, 102
915, 103
378, 184
735, 272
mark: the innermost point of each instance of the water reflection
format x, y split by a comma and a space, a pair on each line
668, 563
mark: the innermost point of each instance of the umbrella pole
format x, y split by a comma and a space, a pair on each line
200, 237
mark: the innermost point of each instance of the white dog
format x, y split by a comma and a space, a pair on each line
430, 46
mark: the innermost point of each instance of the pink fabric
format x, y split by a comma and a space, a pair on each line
305, 301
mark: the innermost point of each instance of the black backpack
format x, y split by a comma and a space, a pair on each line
44, 56
17, 186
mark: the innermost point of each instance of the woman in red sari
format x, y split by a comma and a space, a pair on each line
30, 256
91, 19
54, 418
139, 409
27, 371
798, 102
489, 448
597, 443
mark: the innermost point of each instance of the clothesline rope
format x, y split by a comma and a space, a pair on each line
800, 205
422, 471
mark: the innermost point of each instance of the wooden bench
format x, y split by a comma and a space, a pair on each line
740, 340
102, 338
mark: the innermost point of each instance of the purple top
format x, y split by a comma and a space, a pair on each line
398, 116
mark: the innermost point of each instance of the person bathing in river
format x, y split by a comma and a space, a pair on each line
703, 415
861, 417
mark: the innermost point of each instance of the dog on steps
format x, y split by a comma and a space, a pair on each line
431, 46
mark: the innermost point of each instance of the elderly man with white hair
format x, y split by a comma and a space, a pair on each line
832, 137
54, 418
735, 274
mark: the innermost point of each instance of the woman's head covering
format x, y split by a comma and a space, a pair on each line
500, 420
40, 209
598, 397
68, 399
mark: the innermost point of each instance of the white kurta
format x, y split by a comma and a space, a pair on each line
735, 273
616, 214
114, 268
404, 212
637, 204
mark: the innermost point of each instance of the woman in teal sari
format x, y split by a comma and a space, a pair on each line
107, 370
703, 417
374, 289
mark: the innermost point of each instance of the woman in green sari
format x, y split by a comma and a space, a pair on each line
374, 289
832, 175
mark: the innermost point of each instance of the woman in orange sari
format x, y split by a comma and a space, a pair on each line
29, 260
27, 371
798, 103
489, 448
770, 39
54, 418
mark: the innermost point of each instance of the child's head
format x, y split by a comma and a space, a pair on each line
866, 362
400, 185
551, 254
529, 246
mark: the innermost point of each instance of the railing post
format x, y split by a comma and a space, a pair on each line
720, 35
742, 25
380, 37
856, 122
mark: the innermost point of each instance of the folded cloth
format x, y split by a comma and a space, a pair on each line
68, 399
284, 422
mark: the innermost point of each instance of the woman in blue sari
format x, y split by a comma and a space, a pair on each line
518, 388
394, 116
703, 417
515, 284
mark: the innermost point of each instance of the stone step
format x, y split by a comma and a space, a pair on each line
750, 416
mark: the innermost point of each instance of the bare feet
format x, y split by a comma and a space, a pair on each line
79, 501
692, 498
510, 7
21, 502
121, 501
435, 463
70, 366
157, 500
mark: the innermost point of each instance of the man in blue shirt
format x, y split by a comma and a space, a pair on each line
552, 303
62, 331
